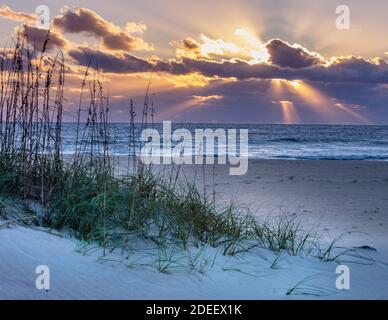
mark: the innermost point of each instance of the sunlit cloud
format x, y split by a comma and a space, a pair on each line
39, 38
246, 47
206, 99
194, 79
83, 20
135, 28
25, 17
256, 48
293, 56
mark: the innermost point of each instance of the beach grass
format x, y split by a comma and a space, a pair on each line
82, 193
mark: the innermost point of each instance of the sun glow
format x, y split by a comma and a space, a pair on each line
295, 83
217, 47
206, 99
259, 52
310, 95
242, 45
194, 79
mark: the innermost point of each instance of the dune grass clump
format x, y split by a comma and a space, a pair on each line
31, 106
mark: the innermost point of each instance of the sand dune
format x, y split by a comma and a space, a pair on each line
334, 197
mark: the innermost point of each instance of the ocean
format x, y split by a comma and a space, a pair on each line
326, 142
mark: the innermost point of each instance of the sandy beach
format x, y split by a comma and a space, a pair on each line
333, 197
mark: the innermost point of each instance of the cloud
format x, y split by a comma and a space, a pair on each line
341, 69
206, 99
190, 44
189, 48
10, 14
137, 28
113, 62
112, 37
35, 36
293, 56
245, 46
40, 37
197, 61
219, 58
347, 69
194, 79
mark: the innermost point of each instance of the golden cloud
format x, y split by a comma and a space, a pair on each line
8, 13
246, 47
205, 99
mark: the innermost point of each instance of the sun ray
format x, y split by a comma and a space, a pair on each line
354, 114
176, 110
275, 88
290, 114
321, 104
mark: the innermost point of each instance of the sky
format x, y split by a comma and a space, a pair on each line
221, 61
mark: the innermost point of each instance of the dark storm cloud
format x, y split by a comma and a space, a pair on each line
285, 55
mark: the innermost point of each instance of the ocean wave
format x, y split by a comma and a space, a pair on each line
379, 143
307, 142
312, 140
329, 157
